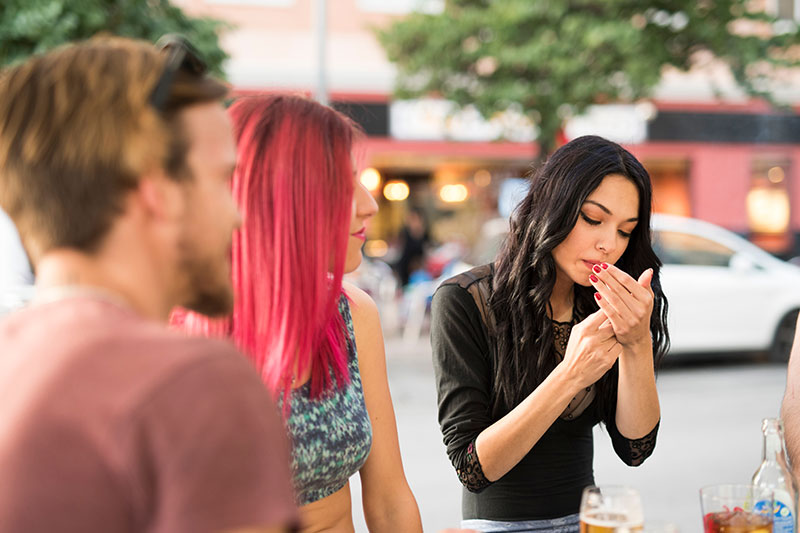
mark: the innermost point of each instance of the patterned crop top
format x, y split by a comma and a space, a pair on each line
331, 435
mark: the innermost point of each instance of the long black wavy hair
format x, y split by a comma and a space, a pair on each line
525, 271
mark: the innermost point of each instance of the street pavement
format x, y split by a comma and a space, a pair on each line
710, 433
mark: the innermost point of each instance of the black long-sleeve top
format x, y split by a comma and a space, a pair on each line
548, 481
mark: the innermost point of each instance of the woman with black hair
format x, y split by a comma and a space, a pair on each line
563, 331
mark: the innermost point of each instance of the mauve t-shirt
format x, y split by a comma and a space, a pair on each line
112, 423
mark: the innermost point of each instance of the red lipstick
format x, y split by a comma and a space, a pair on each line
360, 234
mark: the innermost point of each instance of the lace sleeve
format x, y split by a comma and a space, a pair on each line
633, 452
470, 472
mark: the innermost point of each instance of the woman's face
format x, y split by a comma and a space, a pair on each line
601, 234
364, 207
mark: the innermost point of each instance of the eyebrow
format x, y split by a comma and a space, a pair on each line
607, 211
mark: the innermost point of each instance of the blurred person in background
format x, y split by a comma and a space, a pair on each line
316, 341
115, 160
526, 364
413, 242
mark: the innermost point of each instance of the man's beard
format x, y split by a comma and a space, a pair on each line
206, 292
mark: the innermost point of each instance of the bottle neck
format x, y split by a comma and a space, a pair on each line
773, 446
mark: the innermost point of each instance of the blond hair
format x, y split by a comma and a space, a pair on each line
76, 132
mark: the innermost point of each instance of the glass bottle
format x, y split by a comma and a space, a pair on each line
774, 473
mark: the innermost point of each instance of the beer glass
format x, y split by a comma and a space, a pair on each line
611, 509
736, 509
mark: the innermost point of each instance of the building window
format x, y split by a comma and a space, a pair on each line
785, 9
401, 7
671, 193
768, 206
674, 248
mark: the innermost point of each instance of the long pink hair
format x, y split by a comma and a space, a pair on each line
294, 186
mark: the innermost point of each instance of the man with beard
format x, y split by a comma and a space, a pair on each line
115, 160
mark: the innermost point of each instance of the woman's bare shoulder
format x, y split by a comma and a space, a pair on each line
362, 306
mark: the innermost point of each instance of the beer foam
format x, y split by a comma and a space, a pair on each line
613, 520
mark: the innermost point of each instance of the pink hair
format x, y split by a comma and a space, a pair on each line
294, 186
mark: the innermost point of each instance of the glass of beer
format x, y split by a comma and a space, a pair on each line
611, 509
736, 509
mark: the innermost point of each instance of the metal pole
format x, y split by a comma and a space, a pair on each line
320, 29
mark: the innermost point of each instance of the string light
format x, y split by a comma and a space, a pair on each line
396, 191
370, 178
453, 194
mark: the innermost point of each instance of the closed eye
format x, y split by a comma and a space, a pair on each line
588, 220
593, 222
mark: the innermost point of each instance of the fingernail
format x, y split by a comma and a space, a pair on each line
596, 268
604, 265
597, 296
593, 278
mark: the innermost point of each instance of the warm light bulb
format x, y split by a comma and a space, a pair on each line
370, 178
396, 191
768, 210
376, 248
482, 178
775, 175
454, 193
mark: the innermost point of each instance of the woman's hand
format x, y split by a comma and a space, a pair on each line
626, 302
591, 350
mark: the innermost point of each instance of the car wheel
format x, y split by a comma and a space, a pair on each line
784, 336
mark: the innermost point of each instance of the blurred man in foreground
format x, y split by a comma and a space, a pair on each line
114, 165
790, 408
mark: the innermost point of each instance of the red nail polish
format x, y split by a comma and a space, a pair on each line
593, 278
604, 265
597, 296
596, 268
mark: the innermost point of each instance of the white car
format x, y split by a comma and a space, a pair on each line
725, 294
12, 298
16, 277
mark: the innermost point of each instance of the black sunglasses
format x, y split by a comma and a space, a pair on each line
181, 56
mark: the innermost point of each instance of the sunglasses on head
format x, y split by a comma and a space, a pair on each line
181, 55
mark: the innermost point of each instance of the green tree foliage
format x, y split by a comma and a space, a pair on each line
553, 58
33, 26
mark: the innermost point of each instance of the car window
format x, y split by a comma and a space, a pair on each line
675, 248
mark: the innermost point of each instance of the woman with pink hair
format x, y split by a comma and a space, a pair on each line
315, 339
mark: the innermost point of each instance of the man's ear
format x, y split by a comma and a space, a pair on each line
159, 196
